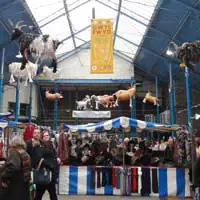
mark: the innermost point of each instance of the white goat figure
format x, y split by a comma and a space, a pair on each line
28, 73
48, 72
84, 103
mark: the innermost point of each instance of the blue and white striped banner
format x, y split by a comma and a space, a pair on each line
83, 181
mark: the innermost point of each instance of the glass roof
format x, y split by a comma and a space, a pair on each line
74, 28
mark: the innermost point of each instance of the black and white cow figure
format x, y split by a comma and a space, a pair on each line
42, 46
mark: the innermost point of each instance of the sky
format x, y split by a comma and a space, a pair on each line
133, 21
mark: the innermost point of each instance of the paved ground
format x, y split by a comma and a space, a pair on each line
65, 197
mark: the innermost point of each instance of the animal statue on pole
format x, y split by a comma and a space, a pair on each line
28, 73
53, 96
42, 46
125, 95
149, 98
84, 104
188, 53
106, 101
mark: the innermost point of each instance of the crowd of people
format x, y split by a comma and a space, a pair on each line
90, 149
104, 150
15, 174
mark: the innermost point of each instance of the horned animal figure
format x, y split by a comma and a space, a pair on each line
28, 73
148, 97
42, 46
84, 103
125, 95
53, 96
105, 100
188, 53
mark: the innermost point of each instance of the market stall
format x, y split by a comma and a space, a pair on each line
125, 179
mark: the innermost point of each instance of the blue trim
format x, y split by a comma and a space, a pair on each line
171, 97
162, 182
180, 182
86, 81
90, 191
55, 111
73, 180
157, 105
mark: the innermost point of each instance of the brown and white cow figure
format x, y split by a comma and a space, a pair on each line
105, 100
149, 98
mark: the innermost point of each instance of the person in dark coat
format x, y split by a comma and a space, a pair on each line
33, 145
16, 173
50, 162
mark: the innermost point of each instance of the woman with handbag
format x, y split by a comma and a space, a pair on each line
16, 173
47, 160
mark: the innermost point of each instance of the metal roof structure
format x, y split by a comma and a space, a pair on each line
142, 29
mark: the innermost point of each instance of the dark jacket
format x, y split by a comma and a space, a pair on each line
197, 173
16, 174
32, 148
48, 153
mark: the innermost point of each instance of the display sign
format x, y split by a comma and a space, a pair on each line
101, 46
91, 114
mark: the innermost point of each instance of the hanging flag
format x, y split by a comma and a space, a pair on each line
101, 46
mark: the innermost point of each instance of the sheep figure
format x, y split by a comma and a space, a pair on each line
188, 53
42, 46
28, 73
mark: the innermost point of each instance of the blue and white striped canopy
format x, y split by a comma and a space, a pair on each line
5, 123
123, 122
5, 115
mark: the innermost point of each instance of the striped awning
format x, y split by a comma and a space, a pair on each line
123, 122
3, 123
5, 115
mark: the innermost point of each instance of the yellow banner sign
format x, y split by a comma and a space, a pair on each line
101, 54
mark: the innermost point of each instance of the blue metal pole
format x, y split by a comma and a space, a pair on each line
30, 102
55, 112
171, 97
17, 101
133, 115
1, 80
189, 117
157, 105
188, 98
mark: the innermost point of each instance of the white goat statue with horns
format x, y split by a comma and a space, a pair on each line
42, 46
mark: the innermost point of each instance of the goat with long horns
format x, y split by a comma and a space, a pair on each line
188, 53
43, 46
